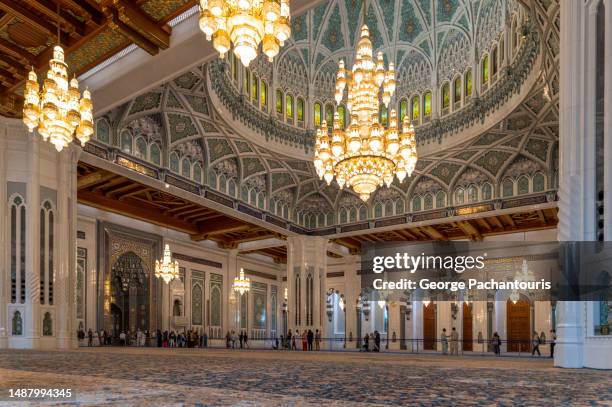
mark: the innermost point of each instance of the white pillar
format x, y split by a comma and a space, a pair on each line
4, 221
33, 168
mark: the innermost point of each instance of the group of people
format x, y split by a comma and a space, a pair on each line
232, 339
454, 341
95, 338
310, 340
371, 342
166, 339
496, 342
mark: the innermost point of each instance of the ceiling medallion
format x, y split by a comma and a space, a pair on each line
246, 24
57, 109
165, 268
366, 155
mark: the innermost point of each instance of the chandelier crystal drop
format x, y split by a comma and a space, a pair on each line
365, 155
246, 24
57, 109
165, 268
242, 284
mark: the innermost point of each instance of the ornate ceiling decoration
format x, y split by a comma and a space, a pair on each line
91, 31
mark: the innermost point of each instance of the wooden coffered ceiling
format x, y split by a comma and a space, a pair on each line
91, 31
115, 193
476, 228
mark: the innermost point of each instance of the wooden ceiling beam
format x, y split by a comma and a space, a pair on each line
115, 23
140, 212
219, 226
433, 233
115, 191
13, 50
126, 195
92, 179
24, 14
90, 12
8, 62
136, 18
470, 230
71, 24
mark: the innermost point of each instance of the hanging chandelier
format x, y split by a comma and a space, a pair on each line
57, 109
242, 284
366, 155
246, 24
165, 268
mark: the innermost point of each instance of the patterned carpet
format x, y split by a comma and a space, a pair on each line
130, 376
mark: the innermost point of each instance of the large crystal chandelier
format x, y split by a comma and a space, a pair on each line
366, 155
165, 268
242, 284
246, 24
58, 110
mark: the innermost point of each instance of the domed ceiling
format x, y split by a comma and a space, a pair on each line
419, 36
516, 156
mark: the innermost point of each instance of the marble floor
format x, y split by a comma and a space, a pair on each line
196, 377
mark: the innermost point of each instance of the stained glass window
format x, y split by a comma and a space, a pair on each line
416, 103
485, 70
457, 90
263, 94
538, 182
155, 154
329, 114
300, 109
279, 101
487, 192
507, 188
289, 106
445, 96
384, 114
403, 109
342, 116
468, 83
440, 199
317, 114
254, 84
427, 104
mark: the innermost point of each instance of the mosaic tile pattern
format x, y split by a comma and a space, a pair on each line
130, 376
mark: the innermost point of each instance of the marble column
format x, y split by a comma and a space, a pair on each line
34, 170
306, 256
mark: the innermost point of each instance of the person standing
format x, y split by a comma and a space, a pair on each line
234, 339
89, 338
496, 344
317, 339
376, 341
366, 343
293, 346
454, 342
310, 339
305, 340
241, 338
122, 338
444, 339
536, 344
553, 340
246, 339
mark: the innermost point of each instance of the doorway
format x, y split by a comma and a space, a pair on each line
429, 326
519, 325
467, 327
130, 295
